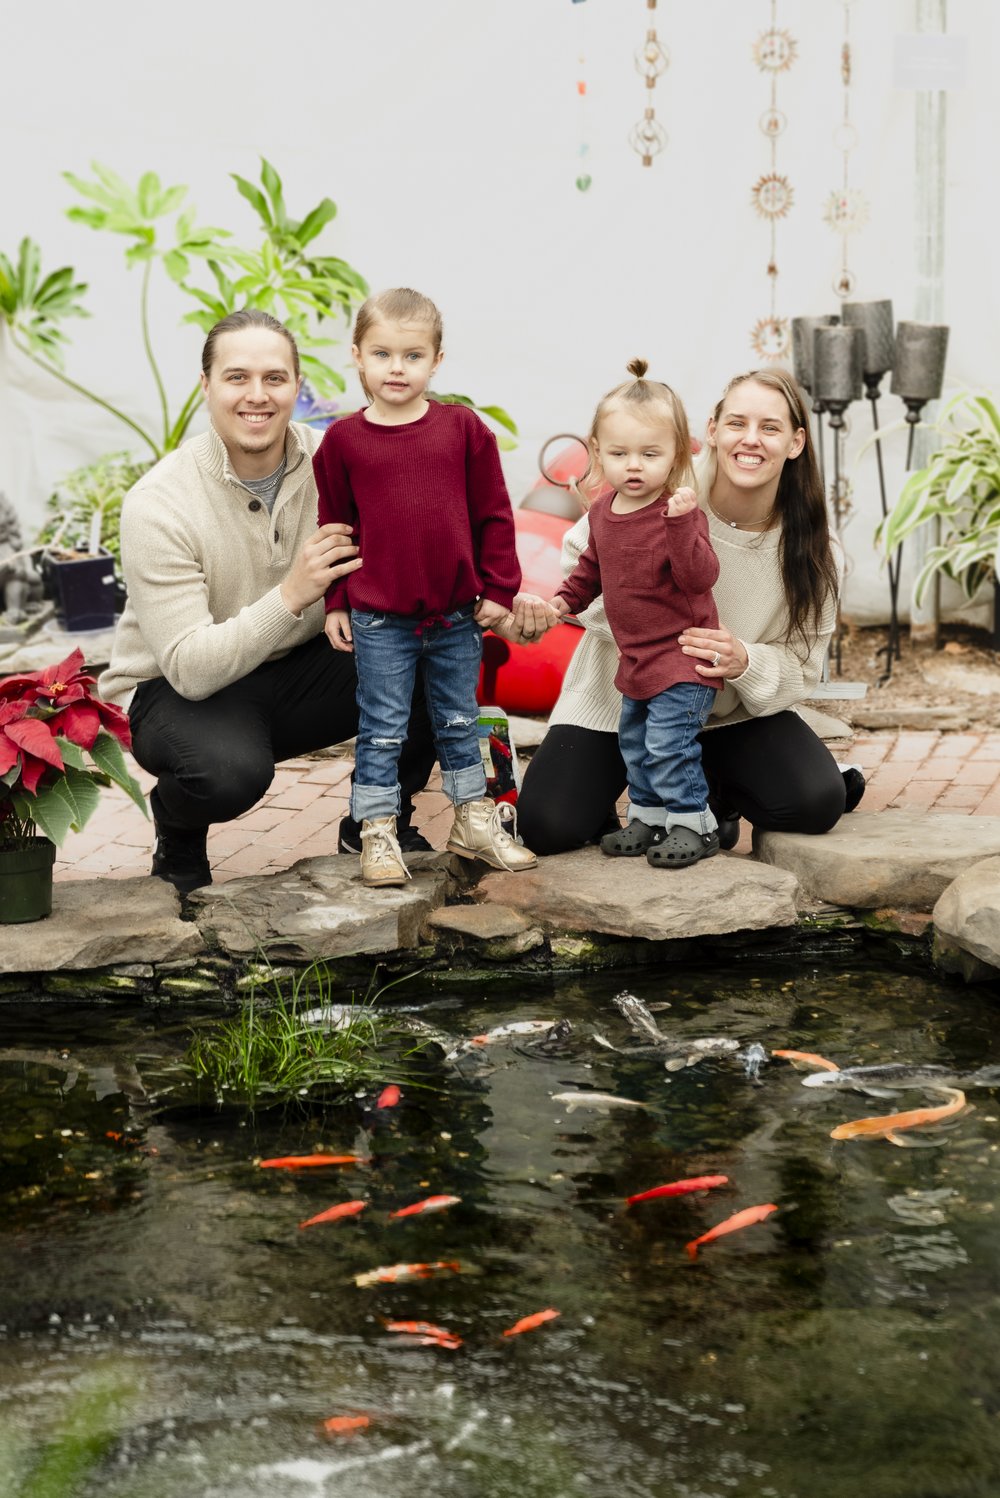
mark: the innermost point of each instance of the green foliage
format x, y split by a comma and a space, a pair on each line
960, 487
92, 1421
85, 509
283, 275
265, 1054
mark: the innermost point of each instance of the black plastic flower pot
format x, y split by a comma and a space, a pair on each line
26, 881
82, 587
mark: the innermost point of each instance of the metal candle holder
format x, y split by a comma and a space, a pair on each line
918, 370
837, 362
803, 329
874, 319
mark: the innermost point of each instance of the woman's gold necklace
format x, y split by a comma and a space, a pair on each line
746, 525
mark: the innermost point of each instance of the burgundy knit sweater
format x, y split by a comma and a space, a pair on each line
656, 573
430, 512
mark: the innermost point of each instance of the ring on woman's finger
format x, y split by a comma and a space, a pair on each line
716, 658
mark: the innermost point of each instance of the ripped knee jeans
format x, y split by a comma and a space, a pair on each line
389, 649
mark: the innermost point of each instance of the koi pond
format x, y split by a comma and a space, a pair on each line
169, 1330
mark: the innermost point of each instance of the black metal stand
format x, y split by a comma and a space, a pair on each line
891, 648
836, 410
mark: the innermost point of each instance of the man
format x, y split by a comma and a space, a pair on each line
220, 656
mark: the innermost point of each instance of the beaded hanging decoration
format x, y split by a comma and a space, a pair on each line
846, 209
647, 136
772, 196
583, 177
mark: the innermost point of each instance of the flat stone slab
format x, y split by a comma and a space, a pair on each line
320, 909
483, 922
102, 923
904, 859
967, 915
587, 891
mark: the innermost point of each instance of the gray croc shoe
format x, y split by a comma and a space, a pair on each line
680, 847
631, 841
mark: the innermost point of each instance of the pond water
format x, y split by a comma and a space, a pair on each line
158, 1285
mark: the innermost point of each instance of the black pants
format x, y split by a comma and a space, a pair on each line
214, 759
773, 771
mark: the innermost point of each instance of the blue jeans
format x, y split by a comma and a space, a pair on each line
658, 738
388, 649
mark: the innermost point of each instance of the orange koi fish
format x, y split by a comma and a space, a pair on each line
388, 1097
333, 1214
303, 1162
400, 1274
890, 1125
345, 1425
744, 1219
809, 1057
679, 1188
429, 1204
528, 1323
425, 1333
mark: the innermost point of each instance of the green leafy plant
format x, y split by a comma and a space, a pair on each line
268, 1053
959, 488
85, 508
284, 275
59, 744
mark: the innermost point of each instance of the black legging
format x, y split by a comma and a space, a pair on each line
773, 771
215, 758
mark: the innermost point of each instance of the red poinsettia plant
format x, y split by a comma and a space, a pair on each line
59, 743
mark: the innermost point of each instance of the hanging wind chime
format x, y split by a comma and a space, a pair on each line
774, 52
846, 209
583, 177
647, 136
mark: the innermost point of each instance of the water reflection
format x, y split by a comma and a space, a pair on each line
849, 1335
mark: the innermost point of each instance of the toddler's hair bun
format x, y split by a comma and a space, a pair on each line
638, 368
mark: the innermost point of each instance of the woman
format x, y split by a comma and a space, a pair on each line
779, 576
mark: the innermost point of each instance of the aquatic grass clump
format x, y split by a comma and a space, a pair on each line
278, 1049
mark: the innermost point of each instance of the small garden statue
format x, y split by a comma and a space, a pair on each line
20, 584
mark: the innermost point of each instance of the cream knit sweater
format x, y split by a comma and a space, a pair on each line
203, 562
751, 602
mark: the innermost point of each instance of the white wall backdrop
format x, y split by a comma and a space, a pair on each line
447, 131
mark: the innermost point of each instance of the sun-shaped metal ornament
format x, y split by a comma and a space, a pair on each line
769, 338
846, 212
772, 196
774, 51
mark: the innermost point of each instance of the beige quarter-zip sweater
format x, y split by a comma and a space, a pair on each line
203, 562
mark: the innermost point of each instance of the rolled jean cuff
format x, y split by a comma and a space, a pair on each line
369, 801
650, 816
697, 821
468, 784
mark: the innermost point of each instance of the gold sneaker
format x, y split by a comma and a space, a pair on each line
478, 832
381, 860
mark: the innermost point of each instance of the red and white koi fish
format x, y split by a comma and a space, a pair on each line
401, 1274
345, 1425
809, 1058
388, 1097
424, 1333
528, 1323
679, 1188
745, 1219
333, 1214
891, 1124
516, 1029
429, 1204
304, 1162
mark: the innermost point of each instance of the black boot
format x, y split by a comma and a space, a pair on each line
180, 857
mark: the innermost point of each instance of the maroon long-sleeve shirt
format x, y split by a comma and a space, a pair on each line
656, 573
429, 508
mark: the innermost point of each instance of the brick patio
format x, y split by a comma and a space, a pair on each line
298, 817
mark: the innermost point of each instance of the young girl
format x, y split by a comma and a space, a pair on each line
650, 556
421, 483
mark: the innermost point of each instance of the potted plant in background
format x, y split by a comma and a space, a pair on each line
959, 489
81, 549
59, 744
